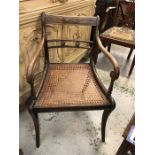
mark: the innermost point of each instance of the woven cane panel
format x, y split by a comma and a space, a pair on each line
70, 85
120, 33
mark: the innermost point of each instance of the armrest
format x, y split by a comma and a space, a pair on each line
127, 1
108, 11
115, 73
30, 68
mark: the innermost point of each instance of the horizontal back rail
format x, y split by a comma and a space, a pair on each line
67, 40
63, 43
68, 46
57, 19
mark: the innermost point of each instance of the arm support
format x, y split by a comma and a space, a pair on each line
108, 11
113, 74
30, 75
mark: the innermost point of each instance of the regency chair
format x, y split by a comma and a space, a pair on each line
122, 30
70, 87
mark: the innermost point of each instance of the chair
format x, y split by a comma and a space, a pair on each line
122, 30
126, 144
70, 87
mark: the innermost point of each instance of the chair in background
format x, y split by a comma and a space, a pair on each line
126, 144
122, 30
70, 87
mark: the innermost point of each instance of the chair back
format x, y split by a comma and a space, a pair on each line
69, 20
125, 13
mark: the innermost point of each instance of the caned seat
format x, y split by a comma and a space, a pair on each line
70, 85
120, 34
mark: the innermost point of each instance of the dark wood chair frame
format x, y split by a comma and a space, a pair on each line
113, 11
97, 45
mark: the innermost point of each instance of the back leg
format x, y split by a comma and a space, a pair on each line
132, 66
129, 55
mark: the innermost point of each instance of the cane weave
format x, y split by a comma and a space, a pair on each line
70, 85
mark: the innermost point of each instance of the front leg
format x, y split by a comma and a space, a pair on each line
105, 116
35, 119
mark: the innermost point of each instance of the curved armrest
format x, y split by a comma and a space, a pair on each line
29, 74
115, 73
108, 9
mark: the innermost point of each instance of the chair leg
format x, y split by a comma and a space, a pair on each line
36, 125
131, 50
105, 116
132, 66
109, 47
123, 149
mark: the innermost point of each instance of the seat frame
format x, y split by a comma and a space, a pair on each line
96, 46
